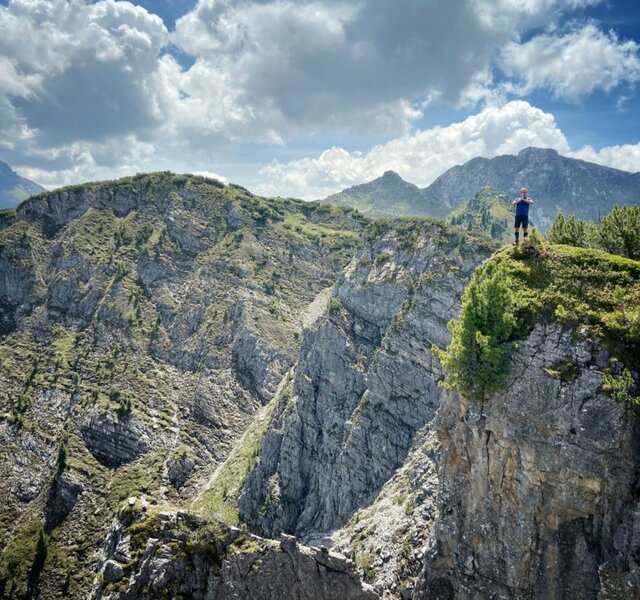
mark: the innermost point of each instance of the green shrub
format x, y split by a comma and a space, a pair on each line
335, 306
570, 231
477, 359
619, 232
619, 388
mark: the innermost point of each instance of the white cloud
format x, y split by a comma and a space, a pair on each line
277, 69
419, 157
572, 65
88, 90
625, 157
82, 68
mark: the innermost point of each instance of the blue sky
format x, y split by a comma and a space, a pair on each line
307, 97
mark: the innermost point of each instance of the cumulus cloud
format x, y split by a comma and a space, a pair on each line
368, 66
89, 161
625, 156
422, 156
573, 64
84, 67
99, 88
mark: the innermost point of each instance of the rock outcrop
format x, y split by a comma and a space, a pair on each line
364, 383
63, 496
170, 554
539, 484
114, 440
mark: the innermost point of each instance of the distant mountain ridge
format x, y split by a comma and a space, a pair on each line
14, 188
390, 195
557, 183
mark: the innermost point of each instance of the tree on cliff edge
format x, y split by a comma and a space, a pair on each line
477, 359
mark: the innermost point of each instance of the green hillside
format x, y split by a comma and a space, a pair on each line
490, 213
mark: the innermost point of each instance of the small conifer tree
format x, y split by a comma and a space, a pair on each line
477, 359
570, 231
619, 232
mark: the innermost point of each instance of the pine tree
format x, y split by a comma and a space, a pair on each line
619, 232
61, 461
477, 359
570, 231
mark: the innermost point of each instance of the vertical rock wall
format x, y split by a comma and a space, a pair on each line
539, 485
365, 382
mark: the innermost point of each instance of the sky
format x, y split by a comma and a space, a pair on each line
304, 98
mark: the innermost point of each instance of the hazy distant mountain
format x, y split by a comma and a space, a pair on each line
388, 195
13, 188
556, 183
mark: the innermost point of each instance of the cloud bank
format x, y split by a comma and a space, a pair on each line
98, 89
422, 156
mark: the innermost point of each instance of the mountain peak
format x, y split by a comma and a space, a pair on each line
391, 176
538, 151
14, 188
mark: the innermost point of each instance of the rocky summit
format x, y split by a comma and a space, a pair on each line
14, 188
557, 183
209, 394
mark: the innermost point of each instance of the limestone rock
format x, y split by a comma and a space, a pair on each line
112, 571
114, 441
63, 496
365, 382
180, 469
27, 490
225, 563
538, 485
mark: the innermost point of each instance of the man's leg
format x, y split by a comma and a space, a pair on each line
525, 227
516, 230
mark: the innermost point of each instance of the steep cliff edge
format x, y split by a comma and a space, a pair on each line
143, 322
538, 483
364, 383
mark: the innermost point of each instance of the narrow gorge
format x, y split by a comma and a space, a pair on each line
207, 394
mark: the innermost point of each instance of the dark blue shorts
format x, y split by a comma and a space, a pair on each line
522, 220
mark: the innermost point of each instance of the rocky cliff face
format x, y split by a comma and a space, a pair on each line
539, 485
143, 323
169, 554
182, 362
364, 383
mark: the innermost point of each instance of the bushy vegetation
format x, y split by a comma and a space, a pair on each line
621, 391
570, 231
476, 361
596, 293
617, 233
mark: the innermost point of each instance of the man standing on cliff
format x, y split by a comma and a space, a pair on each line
522, 214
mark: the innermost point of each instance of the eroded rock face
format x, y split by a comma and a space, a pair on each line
538, 486
112, 440
389, 538
183, 557
365, 382
63, 496
258, 365
180, 469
